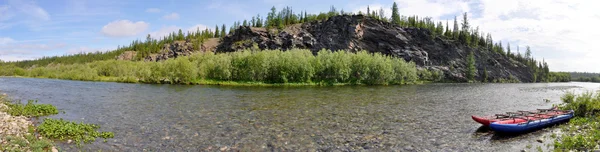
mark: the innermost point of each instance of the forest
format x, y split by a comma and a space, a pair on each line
585, 76
463, 33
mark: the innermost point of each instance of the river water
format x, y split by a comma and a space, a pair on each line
429, 117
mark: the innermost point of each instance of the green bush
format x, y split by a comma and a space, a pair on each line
268, 66
67, 130
31, 109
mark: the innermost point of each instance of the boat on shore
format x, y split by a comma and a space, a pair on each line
487, 120
530, 122
522, 121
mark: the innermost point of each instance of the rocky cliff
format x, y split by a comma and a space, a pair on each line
354, 33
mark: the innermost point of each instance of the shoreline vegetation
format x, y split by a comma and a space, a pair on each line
18, 132
248, 67
581, 133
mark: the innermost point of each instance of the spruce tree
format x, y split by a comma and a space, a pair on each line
223, 31
471, 67
455, 30
508, 49
216, 31
465, 23
395, 14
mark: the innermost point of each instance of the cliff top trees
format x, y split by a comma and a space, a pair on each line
395, 14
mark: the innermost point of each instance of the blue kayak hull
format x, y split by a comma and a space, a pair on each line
533, 125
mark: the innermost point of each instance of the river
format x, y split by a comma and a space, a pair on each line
428, 117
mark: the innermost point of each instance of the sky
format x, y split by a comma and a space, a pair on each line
560, 32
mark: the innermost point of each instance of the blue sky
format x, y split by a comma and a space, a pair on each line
559, 31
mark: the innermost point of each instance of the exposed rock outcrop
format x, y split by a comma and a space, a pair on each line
358, 32
172, 50
182, 48
127, 55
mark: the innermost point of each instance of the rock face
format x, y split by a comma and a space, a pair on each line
180, 48
127, 55
172, 50
355, 33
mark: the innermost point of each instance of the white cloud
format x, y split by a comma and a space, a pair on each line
560, 31
30, 8
124, 28
172, 16
6, 40
153, 10
11, 50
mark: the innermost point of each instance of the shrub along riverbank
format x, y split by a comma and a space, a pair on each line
17, 132
292, 67
581, 133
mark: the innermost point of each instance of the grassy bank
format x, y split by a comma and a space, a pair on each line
581, 133
270, 67
17, 132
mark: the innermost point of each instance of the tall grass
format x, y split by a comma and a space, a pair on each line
268, 66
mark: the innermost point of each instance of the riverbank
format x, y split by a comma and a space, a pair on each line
581, 133
17, 132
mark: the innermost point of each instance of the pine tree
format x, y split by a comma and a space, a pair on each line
382, 15
471, 67
216, 31
447, 32
223, 31
465, 23
455, 30
180, 35
395, 14
508, 49
368, 11
527, 52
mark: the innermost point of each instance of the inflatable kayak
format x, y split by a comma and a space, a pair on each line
487, 120
530, 122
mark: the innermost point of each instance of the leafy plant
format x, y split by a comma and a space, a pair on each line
67, 130
31, 109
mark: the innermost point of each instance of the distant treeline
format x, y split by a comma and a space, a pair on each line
463, 33
585, 76
269, 66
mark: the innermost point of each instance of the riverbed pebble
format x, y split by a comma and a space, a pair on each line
16, 126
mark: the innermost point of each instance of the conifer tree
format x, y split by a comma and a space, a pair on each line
471, 66
223, 31
508, 49
455, 30
395, 14
216, 31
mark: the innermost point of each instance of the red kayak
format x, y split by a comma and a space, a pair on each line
518, 117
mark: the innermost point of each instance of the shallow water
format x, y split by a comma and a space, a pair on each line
430, 117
